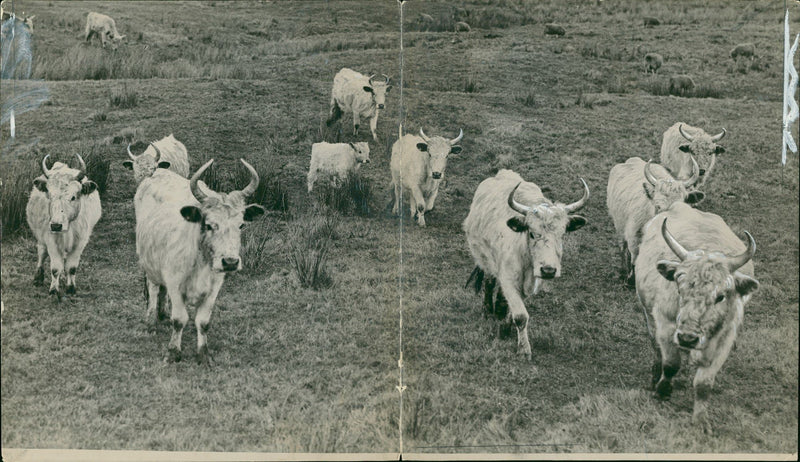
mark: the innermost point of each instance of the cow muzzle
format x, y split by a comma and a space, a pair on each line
230, 264
548, 272
436, 175
702, 171
56, 227
380, 106
688, 340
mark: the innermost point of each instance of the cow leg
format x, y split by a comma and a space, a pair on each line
73, 259
103, 38
179, 318
56, 266
38, 279
519, 316
429, 203
488, 295
418, 205
356, 123
312, 178
670, 360
704, 381
396, 208
201, 321
153, 290
373, 125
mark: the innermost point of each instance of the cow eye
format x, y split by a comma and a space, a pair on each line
533, 236
241, 226
73, 198
208, 227
719, 298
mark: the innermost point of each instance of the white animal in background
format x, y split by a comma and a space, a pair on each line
164, 153
361, 96
683, 142
104, 27
62, 210
336, 161
418, 164
652, 62
515, 235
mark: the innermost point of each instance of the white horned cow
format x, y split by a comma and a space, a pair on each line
693, 279
515, 235
418, 164
683, 142
187, 238
359, 95
336, 161
637, 191
104, 27
62, 210
164, 153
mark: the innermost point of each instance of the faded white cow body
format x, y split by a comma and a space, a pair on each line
336, 161
104, 27
515, 235
187, 239
62, 210
359, 95
418, 164
683, 142
693, 277
637, 190
164, 153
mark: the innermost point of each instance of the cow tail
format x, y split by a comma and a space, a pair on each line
476, 278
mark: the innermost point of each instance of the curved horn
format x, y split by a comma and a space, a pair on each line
575, 206
718, 137
738, 261
695, 174
130, 154
458, 138
196, 192
424, 137
386, 77
158, 151
370, 78
82, 163
45, 170
648, 174
251, 187
678, 249
683, 133
516, 206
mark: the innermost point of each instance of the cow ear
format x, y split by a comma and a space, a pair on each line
389, 87
88, 187
368, 89
40, 184
192, 214
648, 190
455, 149
719, 150
695, 197
667, 269
517, 224
685, 148
353, 146
422, 147
744, 284
252, 212
164, 164
576, 222
128, 164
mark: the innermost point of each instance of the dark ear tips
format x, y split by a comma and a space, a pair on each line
422, 147
191, 214
685, 148
576, 222
517, 224
164, 164
88, 187
128, 164
252, 212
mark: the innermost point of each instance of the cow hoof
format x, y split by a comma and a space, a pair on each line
173, 355
203, 357
663, 390
56, 293
70, 290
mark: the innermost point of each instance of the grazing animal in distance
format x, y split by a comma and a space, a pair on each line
694, 277
104, 27
652, 62
418, 164
554, 29
462, 26
650, 21
164, 153
743, 50
336, 161
426, 21
359, 95
680, 85
515, 235
682, 143
637, 191
188, 238
63, 208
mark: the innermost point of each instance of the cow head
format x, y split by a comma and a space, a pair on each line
64, 187
704, 149
709, 289
438, 148
378, 91
361, 152
666, 191
145, 164
221, 218
544, 225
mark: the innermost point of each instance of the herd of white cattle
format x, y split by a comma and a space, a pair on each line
692, 274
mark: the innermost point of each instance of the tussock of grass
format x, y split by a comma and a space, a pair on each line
660, 87
124, 136
309, 246
352, 196
17, 181
123, 99
97, 168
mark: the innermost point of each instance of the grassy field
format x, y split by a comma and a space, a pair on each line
303, 369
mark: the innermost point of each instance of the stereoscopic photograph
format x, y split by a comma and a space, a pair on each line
374, 229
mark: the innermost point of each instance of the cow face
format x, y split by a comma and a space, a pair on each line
361, 152
544, 225
438, 149
64, 188
378, 91
221, 218
703, 148
145, 164
666, 191
710, 291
